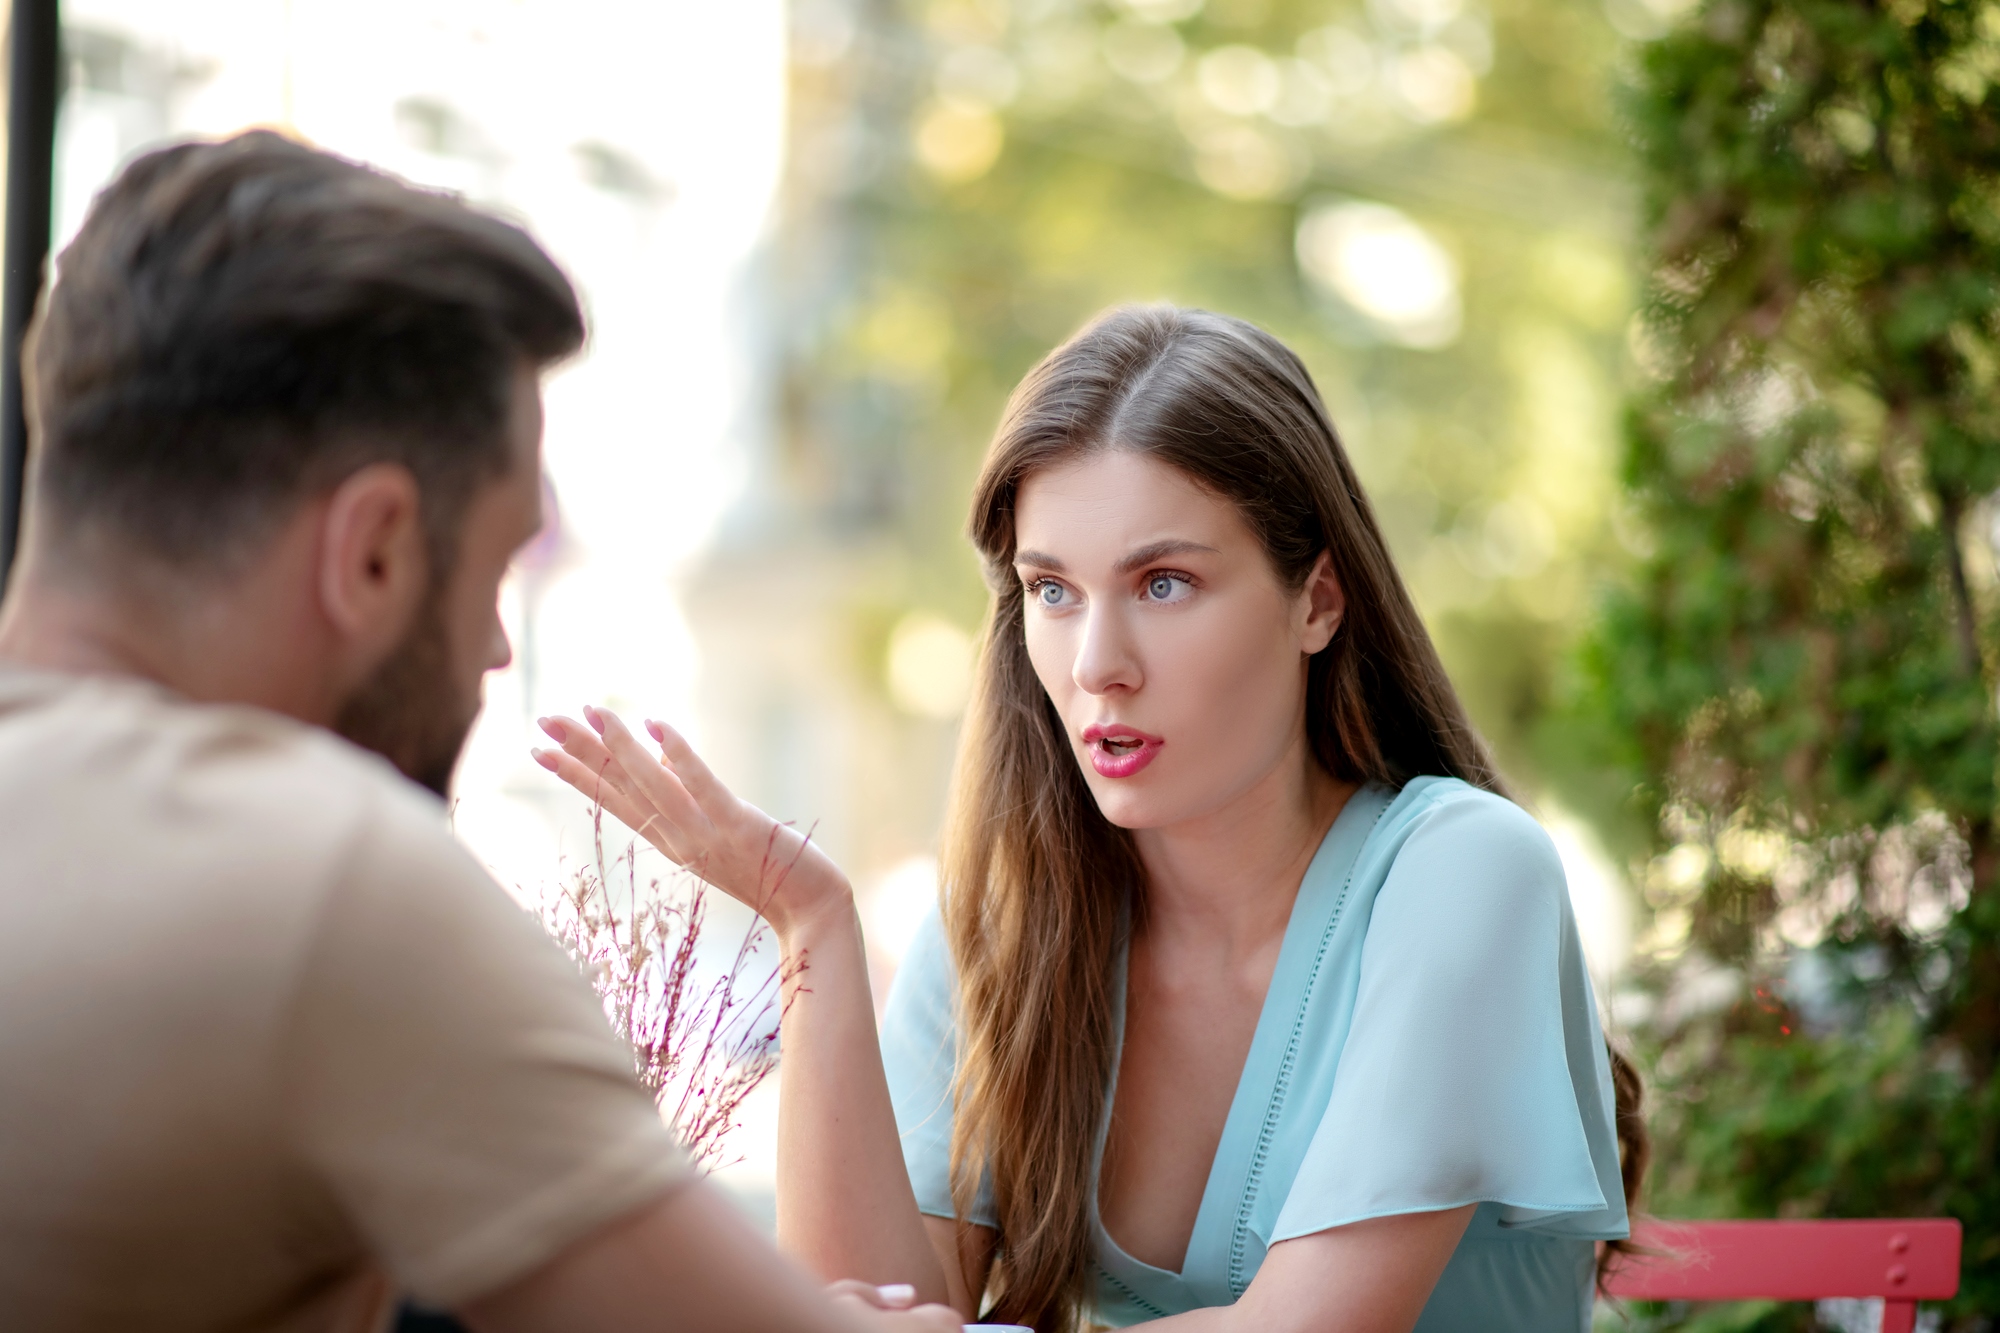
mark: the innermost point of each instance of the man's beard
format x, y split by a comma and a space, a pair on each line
412, 711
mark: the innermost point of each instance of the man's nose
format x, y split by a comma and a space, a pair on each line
500, 651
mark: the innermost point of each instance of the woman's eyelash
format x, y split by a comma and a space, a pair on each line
1036, 590
1033, 587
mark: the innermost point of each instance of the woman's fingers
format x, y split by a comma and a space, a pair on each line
654, 781
598, 787
687, 765
895, 1296
591, 774
876, 1315
583, 744
865, 1292
588, 766
701, 826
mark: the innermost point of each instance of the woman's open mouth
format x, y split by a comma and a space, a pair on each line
1119, 751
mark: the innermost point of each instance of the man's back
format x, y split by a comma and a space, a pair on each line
261, 1019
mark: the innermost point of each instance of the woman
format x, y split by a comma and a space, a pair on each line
1253, 1003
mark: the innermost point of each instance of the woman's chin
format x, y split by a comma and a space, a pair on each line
1168, 799
1133, 809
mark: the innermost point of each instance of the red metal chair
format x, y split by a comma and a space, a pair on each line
1901, 1261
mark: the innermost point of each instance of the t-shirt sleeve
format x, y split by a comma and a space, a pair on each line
454, 1084
1474, 1069
919, 1052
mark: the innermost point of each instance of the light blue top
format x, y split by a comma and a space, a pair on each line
1429, 1040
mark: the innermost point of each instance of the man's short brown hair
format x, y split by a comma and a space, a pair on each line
239, 324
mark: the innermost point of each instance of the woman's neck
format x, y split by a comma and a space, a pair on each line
1228, 877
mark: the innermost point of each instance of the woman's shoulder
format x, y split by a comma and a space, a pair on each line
1452, 839
1432, 808
924, 974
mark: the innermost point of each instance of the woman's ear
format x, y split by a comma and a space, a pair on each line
1324, 604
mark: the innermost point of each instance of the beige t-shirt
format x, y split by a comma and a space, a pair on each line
272, 1045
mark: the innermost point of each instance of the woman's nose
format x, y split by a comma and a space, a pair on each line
1106, 659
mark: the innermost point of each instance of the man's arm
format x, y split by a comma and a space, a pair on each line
688, 1263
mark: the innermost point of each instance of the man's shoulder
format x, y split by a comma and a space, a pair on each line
250, 786
105, 714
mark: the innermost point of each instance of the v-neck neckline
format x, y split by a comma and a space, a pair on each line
1322, 893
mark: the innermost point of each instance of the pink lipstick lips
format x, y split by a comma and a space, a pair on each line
1118, 751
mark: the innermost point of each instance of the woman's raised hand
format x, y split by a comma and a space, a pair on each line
680, 807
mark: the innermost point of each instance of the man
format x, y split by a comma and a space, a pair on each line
272, 1047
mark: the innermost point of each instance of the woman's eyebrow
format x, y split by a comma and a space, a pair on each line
1039, 559
1147, 554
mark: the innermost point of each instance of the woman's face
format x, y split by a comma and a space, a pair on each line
1162, 634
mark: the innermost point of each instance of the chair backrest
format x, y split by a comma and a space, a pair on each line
1902, 1261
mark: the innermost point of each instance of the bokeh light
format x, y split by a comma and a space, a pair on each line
1386, 267
930, 666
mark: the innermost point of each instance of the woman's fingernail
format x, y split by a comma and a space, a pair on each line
594, 718
897, 1293
554, 728
541, 757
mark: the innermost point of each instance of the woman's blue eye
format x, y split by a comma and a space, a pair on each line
1049, 594
1166, 587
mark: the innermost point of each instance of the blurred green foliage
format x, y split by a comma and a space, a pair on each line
1875, 1120
1799, 680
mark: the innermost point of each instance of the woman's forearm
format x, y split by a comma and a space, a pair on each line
845, 1205
1365, 1277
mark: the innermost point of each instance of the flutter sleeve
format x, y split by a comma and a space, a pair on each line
1474, 1070
919, 1051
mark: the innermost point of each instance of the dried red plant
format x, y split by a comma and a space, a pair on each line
700, 1047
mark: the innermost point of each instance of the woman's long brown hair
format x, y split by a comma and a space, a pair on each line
1038, 882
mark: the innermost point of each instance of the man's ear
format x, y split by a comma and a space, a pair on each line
373, 566
1324, 602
